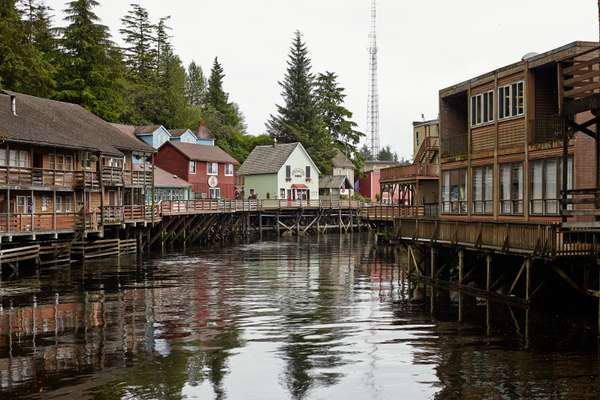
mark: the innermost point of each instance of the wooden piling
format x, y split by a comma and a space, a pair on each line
488, 272
433, 254
461, 265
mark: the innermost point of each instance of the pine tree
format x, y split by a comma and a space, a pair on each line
337, 119
299, 119
23, 67
138, 34
195, 86
91, 68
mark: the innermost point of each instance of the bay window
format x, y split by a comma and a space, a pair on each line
511, 189
483, 190
454, 191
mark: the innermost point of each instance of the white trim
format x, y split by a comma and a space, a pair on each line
510, 101
229, 165
491, 113
194, 169
207, 169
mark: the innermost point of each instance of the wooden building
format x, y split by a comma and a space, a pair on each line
209, 169
64, 171
417, 184
502, 139
335, 187
170, 187
369, 182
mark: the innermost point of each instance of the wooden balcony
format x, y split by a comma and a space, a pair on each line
407, 173
547, 129
138, 178
580, 82
112, 176
431, 145
37, 177
455, 145
38, 223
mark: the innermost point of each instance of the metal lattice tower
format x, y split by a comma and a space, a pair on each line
373, 101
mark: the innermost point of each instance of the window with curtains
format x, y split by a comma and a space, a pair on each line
511, 188
454, 191
212, 168
482, 108
546, 185
483, 190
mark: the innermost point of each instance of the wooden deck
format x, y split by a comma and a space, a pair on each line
538, 240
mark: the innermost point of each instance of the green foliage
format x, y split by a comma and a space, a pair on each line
90, 67
196, 85
386, 154
299, 119
24, 66
138, 34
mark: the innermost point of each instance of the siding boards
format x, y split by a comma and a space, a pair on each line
483, 138
511, 133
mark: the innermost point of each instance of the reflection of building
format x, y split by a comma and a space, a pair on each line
280, 171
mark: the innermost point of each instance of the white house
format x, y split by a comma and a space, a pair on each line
280, 171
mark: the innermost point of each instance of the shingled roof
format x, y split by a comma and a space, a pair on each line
267, 159
202, 152
334, 182
164, 179
178, 132
47, 122
341, 161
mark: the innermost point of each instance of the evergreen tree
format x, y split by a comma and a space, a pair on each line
23, 67
91, 68
195, 87
138, 34
337, 119
386, 154
299, 120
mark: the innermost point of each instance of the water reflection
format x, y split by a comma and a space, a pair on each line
300, 318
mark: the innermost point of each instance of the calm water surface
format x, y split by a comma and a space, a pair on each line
301, 318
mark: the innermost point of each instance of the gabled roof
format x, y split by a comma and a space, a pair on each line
163, 179
202, 152
334, 182
341, 161
147, 129
268, 159
180, 132
54, 123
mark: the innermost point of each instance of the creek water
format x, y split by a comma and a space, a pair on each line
297, 318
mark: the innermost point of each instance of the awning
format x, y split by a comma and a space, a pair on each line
299, 186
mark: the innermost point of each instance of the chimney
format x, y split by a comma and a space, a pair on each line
13, 104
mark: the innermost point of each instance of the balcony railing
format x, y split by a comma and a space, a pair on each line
138, 178
16, 176
41, 222
431, 143
112, 176
407, 172
455, 145
547, 129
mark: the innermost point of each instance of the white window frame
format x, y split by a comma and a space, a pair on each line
45, 203
502, 99
229, 169
214, 193
192, 167
212, 168
480, 103
67, 204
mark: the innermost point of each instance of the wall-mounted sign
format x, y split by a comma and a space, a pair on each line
298, 173
213, 181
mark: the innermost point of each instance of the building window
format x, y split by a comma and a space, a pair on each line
192, 167
3, 160
511, 189
308, 173
282, 193
19, 158
288, 172
68, 204
23, 205
546, 185
214, 193
45, 203
454, 191
59, 204
212, 168
228, 169
482, 108
483, 190
511, 100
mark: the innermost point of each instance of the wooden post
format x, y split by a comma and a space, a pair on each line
260, 225
433, 251
101, 173
527, 279
488, 272
461, 262
565, 164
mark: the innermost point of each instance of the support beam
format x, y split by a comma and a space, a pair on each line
461, 266
488, 272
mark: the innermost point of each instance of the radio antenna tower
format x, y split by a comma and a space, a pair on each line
373, 101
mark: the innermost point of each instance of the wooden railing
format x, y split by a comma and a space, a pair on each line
581, 75
41, 222
138, 178
455, 145
15, 176
112, 176
431, 143
547, 129
407, 172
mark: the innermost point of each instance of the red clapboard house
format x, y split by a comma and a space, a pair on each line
209, 169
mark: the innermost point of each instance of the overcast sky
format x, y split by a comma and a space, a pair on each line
424, 45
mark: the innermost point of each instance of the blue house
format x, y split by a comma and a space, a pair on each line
183, 136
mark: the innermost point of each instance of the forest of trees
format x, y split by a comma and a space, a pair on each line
143, 81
